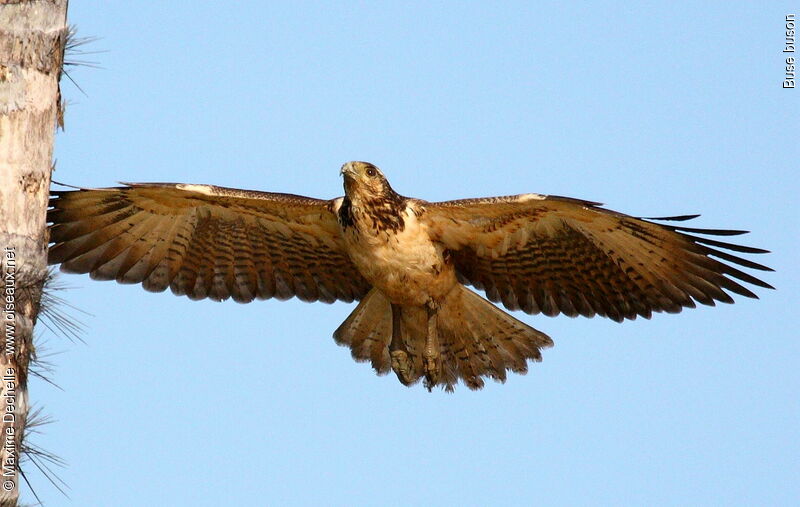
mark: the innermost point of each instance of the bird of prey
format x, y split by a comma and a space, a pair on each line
407, 261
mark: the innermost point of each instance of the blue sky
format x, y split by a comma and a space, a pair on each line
653, 109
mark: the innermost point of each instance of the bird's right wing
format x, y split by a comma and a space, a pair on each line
204, 241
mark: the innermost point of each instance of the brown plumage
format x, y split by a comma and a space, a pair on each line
406, 260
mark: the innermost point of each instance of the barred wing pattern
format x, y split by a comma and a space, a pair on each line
204, 241
551, 255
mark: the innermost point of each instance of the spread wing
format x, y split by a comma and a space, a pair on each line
204, 241
555, 255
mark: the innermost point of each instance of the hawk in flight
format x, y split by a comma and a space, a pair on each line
407, 262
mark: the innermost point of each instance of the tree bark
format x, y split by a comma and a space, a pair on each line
32, 39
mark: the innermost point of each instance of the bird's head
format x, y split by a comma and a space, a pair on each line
364, 182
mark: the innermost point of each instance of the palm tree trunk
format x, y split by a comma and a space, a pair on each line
32, 39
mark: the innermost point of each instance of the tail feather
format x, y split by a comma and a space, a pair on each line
450, 372
488, 351
459, 358
487, 330
497, 341
475, 339
413, 330
368, 330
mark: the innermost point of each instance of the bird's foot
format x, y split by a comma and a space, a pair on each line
431, 355
431, 372
402, 366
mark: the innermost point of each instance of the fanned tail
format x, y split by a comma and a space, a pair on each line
465, 338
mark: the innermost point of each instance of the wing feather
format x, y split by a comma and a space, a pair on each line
204, 241
552, 254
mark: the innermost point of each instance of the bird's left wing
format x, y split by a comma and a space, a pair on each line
555, 255
204, 241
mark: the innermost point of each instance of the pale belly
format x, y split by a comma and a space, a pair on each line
406, 266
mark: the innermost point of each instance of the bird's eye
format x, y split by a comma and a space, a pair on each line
371, 172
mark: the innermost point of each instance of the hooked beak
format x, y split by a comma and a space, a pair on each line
348, 170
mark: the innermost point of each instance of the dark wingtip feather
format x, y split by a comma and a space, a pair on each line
730, 270
712, 232
64, 185
581, 202
736, 260
701, 242
682, 218
729, 246
677, 218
